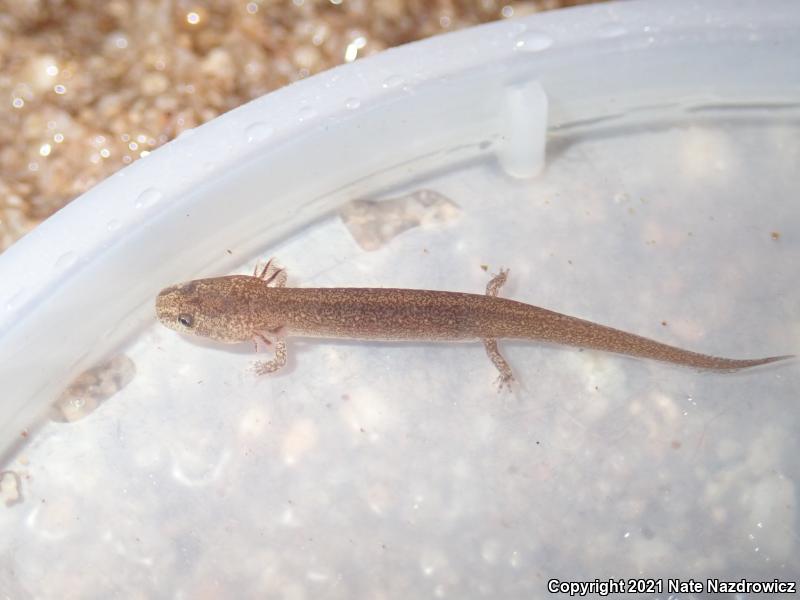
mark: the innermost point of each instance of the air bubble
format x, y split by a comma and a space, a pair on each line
65, 261
148, 197
257, 132
306, 113
611, 30
352, 103
533, 41
113, 224
16, 300
392, 81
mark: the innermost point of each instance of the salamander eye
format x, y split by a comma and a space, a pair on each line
186, 320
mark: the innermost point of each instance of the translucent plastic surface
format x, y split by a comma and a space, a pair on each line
396, 470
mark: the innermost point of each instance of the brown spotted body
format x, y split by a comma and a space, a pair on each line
240, 308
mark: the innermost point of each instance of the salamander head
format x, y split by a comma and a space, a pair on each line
218, 308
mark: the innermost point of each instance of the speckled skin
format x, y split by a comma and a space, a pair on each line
239, 308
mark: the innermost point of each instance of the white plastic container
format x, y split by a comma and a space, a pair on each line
634, 164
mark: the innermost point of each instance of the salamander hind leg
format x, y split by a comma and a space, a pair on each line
498, 281
506, 377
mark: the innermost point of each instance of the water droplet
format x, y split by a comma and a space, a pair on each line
113, 225
392, 81
611, 30
306, 112
65, 261
533, 41
352, 103
148, 197
258, 131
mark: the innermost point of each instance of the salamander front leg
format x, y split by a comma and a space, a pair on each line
506, 377
496, 282
271, 274
273, 339
270, 366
